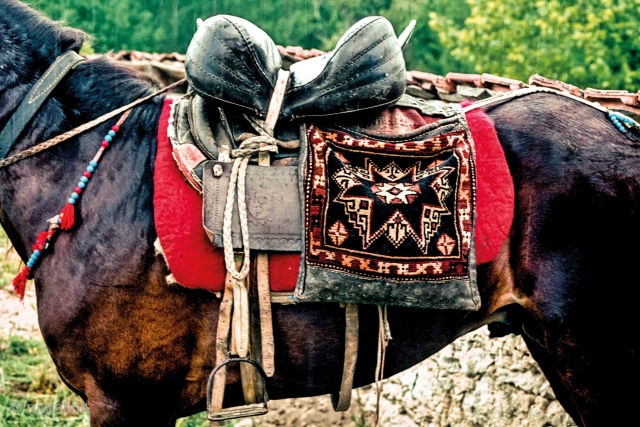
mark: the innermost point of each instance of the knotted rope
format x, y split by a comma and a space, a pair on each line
250, 146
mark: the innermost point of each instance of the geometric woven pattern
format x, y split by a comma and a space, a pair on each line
384, 209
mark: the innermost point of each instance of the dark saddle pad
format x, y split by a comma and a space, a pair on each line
230, 59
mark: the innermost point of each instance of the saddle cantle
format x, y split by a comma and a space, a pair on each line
365, 70
231, 60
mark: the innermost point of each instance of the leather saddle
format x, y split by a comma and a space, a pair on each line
232, 67
231, 60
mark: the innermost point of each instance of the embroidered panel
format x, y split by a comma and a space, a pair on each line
398, 210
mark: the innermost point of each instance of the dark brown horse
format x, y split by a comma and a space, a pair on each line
139, 351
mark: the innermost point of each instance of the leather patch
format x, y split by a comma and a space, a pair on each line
273, 207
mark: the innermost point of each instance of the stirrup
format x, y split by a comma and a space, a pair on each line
250, 410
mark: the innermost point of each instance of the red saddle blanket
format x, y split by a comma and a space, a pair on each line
197, 264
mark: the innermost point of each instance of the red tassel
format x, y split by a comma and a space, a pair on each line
20, 281
67, 217
41, 240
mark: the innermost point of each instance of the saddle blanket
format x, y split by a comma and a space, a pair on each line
197, 264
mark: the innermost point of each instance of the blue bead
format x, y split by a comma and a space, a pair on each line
72, 201
111, 133
74, 195
30, 264
36, 252
108, 138
59, 221
84, 179
90, 168
93, 163
81, 184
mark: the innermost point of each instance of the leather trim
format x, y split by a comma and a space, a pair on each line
35, 98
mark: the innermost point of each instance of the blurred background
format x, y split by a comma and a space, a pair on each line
588, 43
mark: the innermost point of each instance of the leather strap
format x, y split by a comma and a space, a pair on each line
222, 346
350, 358
266, 321
35, 98
264, 289
247, 371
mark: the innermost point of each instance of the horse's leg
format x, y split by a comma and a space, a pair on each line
600, 377
107, 412
548, 367
589, 341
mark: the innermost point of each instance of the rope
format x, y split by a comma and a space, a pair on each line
528, 91
265, 142
250, 145
83, 128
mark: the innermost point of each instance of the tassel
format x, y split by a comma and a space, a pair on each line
41, 240
20, 281
67, 217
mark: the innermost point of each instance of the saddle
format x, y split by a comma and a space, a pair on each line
240, 97
231, 60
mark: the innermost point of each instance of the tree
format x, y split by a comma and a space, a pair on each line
168, 25
583, 42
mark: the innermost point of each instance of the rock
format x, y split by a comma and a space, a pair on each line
476, 381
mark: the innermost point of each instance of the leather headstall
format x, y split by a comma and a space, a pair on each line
35, 98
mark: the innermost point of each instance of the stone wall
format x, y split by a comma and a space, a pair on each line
476, 381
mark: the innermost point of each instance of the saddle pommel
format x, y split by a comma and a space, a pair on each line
232, 60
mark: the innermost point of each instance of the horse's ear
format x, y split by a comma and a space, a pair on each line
71, 39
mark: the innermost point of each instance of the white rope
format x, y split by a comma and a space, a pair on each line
250, 146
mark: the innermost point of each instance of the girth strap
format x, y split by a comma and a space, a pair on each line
342, 400
35, 98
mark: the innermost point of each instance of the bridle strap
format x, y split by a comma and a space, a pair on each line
35, 98
85, 127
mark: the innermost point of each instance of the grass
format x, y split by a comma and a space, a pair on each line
31, 392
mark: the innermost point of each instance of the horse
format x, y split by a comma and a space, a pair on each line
139, 351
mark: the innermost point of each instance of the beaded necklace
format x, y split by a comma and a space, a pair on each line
66, 218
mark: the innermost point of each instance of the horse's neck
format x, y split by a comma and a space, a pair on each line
36, 188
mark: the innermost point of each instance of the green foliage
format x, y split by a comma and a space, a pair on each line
584, 42
167, 25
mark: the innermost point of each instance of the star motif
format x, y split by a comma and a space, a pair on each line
393, 202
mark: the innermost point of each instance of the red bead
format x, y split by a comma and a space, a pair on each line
115, 128
87, 174
105, 144
78, 190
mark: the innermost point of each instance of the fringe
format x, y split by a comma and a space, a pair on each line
67, 217
20, 281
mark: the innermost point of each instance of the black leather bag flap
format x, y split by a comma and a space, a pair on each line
273, 206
